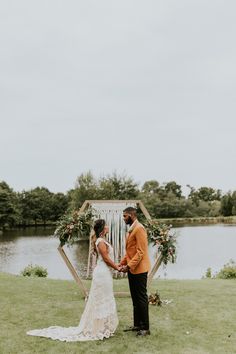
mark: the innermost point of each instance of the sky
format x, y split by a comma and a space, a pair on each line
143, 88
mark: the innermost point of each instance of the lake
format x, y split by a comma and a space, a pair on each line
199, 247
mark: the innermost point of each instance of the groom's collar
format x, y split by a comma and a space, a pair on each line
133, 226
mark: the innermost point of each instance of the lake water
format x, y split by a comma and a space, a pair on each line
199, 247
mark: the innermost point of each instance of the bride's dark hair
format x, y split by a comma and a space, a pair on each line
98, 227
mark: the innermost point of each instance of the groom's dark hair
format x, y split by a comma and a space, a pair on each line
130, 210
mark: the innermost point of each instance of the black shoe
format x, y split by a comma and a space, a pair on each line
132, 329
143, 332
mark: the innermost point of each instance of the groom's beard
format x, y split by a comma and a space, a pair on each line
129, 221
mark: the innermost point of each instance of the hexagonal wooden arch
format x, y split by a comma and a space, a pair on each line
71, 268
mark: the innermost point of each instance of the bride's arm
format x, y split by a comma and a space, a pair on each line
104, 253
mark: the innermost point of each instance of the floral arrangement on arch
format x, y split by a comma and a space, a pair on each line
160, 235
73, 226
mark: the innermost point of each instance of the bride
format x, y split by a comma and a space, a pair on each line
99, 319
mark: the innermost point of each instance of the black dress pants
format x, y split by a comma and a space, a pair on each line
138, 291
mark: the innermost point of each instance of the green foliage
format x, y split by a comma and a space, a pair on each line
109, 187
227, 204
171, 207
208, 273
59, 205
228, 271
234, 203
9, 208
163, 201
40, 206
86, 188
174, 188
117, 187
73, 226
206, 194
150, 188
214, 209
34, 271
160, 235
202, 209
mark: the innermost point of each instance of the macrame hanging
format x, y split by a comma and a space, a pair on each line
113, 214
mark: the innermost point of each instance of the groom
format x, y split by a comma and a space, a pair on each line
136, 262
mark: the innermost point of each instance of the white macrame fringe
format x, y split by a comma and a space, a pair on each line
113, 214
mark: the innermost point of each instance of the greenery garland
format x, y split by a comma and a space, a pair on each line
71, 227
160, 235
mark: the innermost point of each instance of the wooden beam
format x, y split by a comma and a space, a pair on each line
73, 271
100, 201
154, 269
144, 210
84, 206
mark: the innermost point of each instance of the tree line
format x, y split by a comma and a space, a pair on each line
166, 200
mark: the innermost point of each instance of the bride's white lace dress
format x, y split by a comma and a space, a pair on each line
99, 319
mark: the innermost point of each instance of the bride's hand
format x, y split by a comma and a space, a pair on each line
118, 267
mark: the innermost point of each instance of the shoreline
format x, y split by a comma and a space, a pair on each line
231, 220
200, 220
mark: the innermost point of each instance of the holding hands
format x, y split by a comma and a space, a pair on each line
123, 268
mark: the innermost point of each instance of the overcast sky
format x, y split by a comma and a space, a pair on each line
146, 88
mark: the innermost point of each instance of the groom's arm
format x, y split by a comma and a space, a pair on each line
141, 247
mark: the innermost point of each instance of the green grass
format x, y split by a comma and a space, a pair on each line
201, 319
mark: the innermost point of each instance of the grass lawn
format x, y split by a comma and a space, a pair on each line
201, 319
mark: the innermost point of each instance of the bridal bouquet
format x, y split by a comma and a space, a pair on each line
160, 235
74, 226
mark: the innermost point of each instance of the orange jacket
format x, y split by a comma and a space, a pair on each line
136, 256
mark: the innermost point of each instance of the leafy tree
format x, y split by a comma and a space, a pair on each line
209, 194
110, 187
234, 203
150, 188
59, 205
193, 195
203, 209
149, 194
117, 187
205, 201
86, 187
36, 205
30, 206
9, 210
169, 208
174, 188
162, 201
215, 208
44, 197
226, 204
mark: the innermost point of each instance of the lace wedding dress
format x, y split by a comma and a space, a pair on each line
99, 319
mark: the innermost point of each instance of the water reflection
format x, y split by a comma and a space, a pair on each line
199, 247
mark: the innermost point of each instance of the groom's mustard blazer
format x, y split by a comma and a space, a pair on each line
136, 256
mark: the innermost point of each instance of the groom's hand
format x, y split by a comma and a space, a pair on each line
125, 269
